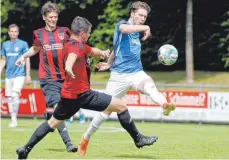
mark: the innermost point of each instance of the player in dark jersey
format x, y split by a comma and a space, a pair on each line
76, 92
48, 41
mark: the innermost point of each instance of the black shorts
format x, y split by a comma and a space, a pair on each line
51, 90
92, 100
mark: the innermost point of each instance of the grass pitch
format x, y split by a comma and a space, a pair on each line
112, 142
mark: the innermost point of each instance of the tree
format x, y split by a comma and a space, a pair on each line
189, 43
225, 40
102, 36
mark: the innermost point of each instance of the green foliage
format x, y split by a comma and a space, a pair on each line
31, 7
225, 40
102, 36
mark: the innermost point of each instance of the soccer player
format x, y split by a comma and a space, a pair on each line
126, 69
76, 92
15, 76
48, 41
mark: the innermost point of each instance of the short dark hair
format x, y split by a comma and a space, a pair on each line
13, 26
80, 24
49, 7
137, 5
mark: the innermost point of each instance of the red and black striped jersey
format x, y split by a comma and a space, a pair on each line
51, 54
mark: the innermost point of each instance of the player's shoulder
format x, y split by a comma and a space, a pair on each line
38, 30
6, 43
22, 41
122, 22
64, 28
71, 42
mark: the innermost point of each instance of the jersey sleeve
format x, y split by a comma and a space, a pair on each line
74, 48
26, 47
87, 48
3, 51
119, 23
36, 41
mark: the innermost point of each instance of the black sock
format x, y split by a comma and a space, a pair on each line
39, 133
128, 124
62, 129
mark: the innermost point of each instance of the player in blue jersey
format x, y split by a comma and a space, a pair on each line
15, 76
127, 71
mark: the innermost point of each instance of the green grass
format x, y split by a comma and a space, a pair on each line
175, 141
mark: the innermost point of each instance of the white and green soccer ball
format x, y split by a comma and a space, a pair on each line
167, 54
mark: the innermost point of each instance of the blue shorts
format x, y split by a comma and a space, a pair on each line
91, 100
51, 90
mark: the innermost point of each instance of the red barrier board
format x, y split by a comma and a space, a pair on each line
180, 98
32, 101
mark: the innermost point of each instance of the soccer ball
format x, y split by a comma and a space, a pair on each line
167, 54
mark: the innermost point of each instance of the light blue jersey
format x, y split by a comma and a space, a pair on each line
127, 49
12, 51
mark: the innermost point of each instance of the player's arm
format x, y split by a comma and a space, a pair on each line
103, 66
31, 52
127, 28
95, 52
69, 64
2, 58
2, 63
28, 68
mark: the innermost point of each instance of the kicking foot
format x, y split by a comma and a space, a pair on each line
82, 147
167, 108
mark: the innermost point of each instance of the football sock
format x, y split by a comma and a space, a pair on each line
15, 108
39, 133
128, 124
95, 124
62, 129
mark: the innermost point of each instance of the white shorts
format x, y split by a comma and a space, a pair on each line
14, 84
119, 83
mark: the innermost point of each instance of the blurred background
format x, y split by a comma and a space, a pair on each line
198, 82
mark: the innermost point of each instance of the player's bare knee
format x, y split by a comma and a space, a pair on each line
107, 112
54, 123
121, 106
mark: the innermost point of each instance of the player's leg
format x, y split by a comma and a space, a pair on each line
117, 87
18, 83
51, 91
8, 94
63, 111
110, 104
81, 117
147, 86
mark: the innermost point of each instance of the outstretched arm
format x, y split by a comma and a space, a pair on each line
69, 64
32, 51
28, 68
95, 52
103, 66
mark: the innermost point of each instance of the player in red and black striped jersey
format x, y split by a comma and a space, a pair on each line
49, 41
51, 51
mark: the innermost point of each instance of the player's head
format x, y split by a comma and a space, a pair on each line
50, 14
13, 31
81, 28
139, 12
